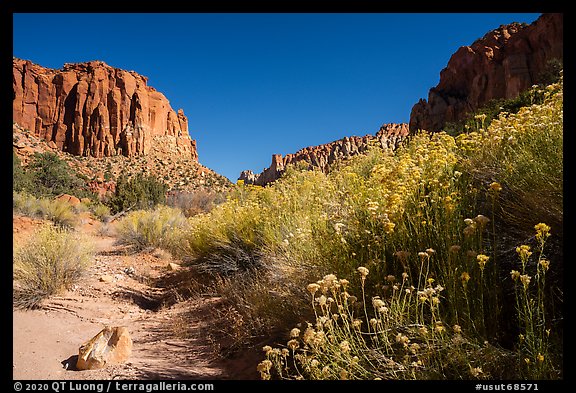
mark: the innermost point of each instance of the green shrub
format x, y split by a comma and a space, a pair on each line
138, 192
100, 211
25, 204
50, 262
20, 178
50, 176
58, 211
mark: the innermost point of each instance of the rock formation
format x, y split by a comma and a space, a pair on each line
323, 156
92, 109
502, 64
111, 345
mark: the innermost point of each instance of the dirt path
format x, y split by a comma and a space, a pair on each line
169, 341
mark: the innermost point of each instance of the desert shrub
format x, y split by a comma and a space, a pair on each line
21, 180
150, 228
524, 153
58, 211
138, 192
399, 335
50, 262
25, 204
445, 201
192, 203
50, 176
100, 211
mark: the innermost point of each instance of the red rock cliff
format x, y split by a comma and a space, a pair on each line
502, 64
92, 109
322, 156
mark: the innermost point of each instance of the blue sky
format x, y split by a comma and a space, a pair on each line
253, 85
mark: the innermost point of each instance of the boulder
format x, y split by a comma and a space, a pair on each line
172, 266
71, 199
112, 345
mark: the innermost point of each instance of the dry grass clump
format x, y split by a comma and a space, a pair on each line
150, 228
50, 262
196, 202
58, 211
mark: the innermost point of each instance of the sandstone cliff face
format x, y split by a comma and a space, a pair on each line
92, 109
502, 64
323, 156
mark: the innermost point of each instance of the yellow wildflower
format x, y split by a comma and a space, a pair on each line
476, 371
264, 366
523, 251
542, 231
515, 275
363, 271
545, 264
293, 344
482, 259
345, 346
295, 332
267, 348
525, 279
495, 186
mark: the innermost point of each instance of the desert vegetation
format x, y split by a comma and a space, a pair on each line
442, 259
48, 263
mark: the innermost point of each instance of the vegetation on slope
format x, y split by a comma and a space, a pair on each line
462, 238
440, 260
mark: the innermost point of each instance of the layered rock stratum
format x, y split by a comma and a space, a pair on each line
93, 109
502, 64
323, 156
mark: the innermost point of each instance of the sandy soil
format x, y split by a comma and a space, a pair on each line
170, 340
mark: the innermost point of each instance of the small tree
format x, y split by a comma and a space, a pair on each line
51, 176
140, 192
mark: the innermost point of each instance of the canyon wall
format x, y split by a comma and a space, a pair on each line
502, 64
323, 156
92, 109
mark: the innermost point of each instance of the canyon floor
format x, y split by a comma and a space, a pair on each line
121, 288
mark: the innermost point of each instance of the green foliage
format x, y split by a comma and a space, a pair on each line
48, 263
51, 176
20, 178
138, 192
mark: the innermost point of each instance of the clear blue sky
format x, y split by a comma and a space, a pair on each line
253, 85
